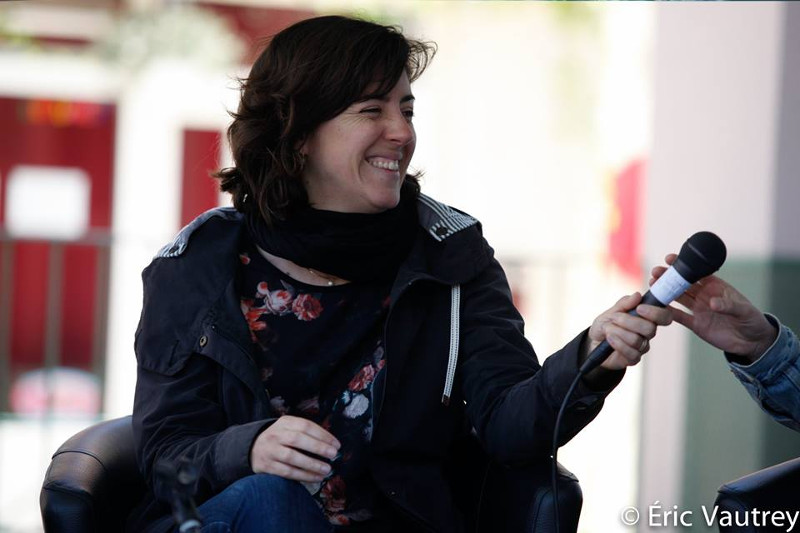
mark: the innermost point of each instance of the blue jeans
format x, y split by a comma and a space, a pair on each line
263, 503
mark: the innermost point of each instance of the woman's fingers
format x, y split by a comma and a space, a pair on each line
653, 316
623, 350
308, 427
296, 459
307, 443
629, 335
630, 329
631, 339
291, 472
285, 449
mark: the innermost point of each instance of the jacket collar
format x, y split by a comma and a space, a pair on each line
454, 253
197, 269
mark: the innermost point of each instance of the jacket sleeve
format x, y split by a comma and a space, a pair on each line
774, 379
512, 400
182, 416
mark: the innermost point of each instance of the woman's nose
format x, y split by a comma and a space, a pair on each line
399, 129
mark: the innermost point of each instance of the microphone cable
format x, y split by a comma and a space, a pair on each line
554, 454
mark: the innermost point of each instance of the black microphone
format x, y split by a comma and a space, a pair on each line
701, 255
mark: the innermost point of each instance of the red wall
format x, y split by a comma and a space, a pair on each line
68, 134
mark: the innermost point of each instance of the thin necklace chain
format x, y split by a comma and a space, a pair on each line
328, 279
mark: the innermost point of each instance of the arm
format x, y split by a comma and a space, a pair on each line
762, 354
181, 415
773, 380
512, 400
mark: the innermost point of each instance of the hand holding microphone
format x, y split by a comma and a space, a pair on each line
722, 316
624, 331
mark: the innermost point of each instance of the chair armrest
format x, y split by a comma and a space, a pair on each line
92, 481
770, 489
521, 499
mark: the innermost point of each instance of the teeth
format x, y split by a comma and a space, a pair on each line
388, 165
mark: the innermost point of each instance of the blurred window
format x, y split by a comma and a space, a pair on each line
45, 202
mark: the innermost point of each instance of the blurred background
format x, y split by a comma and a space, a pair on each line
590, 139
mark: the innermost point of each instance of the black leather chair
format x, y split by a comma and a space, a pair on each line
93, 482
776, 488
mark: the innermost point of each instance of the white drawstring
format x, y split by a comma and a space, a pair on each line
455, 323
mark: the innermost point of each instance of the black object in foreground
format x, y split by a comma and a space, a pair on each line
182, 479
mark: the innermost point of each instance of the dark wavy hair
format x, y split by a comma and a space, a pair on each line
308, 73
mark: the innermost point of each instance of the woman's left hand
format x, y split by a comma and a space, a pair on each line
629, 335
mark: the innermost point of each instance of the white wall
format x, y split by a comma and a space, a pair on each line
717, 75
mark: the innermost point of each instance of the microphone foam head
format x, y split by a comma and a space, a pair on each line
701, 255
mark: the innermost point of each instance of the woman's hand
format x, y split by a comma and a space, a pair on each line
282, 449
722, 316
628, 335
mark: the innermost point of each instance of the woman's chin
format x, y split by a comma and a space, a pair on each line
386, 202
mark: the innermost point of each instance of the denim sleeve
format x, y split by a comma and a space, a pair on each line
773, 380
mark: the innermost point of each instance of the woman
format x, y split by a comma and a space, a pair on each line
316, 350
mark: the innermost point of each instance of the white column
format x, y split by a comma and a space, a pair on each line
155, 107
717, 76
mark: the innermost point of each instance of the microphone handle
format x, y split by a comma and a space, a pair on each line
604, 349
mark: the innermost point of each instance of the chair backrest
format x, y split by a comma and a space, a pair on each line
93, 481
771, 490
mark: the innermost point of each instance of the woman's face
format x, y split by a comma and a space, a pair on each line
356, 162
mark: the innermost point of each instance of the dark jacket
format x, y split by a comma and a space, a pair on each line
199, 394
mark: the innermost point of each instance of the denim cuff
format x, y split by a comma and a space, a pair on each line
765, 367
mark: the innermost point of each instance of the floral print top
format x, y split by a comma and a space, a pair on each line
319, 350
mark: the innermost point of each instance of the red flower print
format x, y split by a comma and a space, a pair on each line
339, 520
306, 307
278, 302
333, 494
244, 258
252, 315
262, 289
362, 380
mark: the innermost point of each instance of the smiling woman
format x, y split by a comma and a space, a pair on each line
318, 80
321, 349
356, 162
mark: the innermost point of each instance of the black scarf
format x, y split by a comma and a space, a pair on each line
353, 246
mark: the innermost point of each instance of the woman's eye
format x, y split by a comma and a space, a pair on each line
371, 110
409, 114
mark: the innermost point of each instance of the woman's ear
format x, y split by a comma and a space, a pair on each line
300, 145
